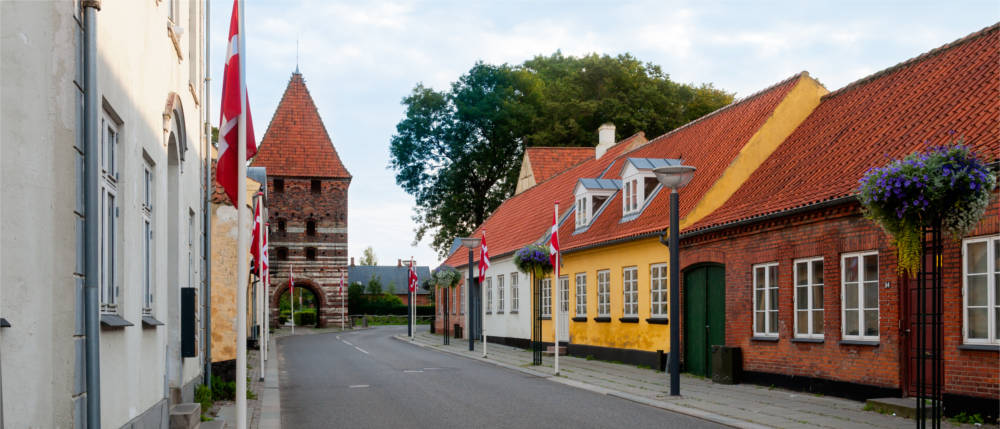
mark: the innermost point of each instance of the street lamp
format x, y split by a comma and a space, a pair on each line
471, 243
674, 177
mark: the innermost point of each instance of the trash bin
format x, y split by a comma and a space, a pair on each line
458, 331
727, 364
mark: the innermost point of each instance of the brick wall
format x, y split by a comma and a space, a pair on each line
296, 206
830, 233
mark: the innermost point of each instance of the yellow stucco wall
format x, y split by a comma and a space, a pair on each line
224, 237
790, 112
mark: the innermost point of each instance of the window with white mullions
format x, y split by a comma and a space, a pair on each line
981, 290
514, 300
581, 294
109, 215
147, 234
809, 298
603, 293
489, 295
658, 290
630, 291
500, 293
564, 293
859, 296
765, 300
546, 297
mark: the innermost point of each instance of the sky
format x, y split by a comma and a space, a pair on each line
360, 58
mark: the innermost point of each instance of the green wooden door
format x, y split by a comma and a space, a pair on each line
704, 316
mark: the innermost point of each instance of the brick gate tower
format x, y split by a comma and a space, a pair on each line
307, 207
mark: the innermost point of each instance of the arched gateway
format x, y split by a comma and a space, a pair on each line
307, 204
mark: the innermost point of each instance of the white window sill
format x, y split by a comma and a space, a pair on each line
859, 342
980, 347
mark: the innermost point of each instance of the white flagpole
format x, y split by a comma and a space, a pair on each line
242, 244
260, 279
267, 297
558, 301
485, 272
291, 298
343, 306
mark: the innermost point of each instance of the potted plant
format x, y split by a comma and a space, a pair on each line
533, 259
948, 187
445, 276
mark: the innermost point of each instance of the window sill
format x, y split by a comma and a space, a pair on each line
602, 319
980, 347
870, 343
512, 311
546, 317
808, 340
658, 321
580, 319
150, 322
4, 323
114, 321
773, 339
499, 312
628, 319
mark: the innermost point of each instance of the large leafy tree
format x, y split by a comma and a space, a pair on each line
458, 151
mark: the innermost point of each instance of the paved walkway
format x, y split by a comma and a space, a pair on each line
741, 405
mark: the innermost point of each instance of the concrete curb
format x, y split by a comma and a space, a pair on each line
270, 407
693, 412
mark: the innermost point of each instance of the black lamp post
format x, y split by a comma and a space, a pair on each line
674, 177
471, 243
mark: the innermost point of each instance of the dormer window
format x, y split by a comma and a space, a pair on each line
640, 183
591, 194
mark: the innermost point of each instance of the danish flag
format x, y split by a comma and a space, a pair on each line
232, 85
554, 240
484, 258
412, 278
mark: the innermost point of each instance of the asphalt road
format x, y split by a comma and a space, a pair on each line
366, 379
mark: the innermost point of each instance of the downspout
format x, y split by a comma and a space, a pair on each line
207, 203
92, 247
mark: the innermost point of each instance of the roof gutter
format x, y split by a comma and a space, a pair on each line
769, 216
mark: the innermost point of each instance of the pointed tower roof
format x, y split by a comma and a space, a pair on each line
296, 142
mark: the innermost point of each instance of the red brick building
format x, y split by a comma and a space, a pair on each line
812, 295
307, 195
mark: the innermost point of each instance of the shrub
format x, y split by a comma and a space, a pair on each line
303, 318
223, 390
203, 396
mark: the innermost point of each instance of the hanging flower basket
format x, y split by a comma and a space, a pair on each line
445, 276
533, 259
947, 184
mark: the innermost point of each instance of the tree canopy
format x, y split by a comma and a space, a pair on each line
458, 152
368, 257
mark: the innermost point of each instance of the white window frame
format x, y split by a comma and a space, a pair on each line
810, 288
992, 300
500, 293
861, 309
489, 295
564, 293
581, 211
659, 291
546, 297
146, 212
463, 291
767, 310
514, 293
581, 294
604, 293
630, 291
109, 225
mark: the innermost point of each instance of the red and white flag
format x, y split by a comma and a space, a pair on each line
554, 240
484, 258
256, 239
342, 282
232, 85
291, 282
412, 278
263, 260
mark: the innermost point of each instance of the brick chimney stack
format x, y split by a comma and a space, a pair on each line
352, 261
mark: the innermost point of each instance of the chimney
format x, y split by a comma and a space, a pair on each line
605, 138
399, 262
352, 261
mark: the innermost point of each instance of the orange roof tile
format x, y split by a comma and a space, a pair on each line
954, 88
549, 161
296, 142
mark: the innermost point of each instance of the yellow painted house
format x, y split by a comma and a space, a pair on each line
613, 287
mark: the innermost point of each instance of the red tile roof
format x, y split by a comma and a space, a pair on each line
884, 116
549, 161
710, 143
296, 142
523, 218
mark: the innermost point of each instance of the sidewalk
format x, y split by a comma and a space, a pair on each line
741, 405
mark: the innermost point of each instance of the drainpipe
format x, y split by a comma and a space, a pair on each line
92, 247
207, 204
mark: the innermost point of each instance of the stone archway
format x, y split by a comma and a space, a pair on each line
279, 289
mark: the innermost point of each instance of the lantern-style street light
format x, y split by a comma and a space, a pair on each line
471, 243
674, 177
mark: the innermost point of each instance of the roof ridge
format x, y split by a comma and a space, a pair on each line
724, 108
917, 59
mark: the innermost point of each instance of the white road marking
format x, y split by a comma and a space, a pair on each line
413, 370
361, 349
347, 342
431, 369
338, 337
358, 386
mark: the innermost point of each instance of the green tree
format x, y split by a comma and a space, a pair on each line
368, 257
458, 152
374, 287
